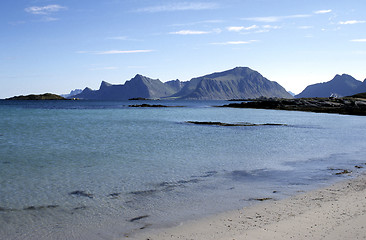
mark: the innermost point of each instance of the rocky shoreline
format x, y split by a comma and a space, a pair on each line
346, 105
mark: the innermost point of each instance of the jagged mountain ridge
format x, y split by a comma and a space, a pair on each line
240, 82
340, 85
139, 86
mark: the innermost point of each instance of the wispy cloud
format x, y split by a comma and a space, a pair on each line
359, 40
122, 51
115, 52
276, 18
44, 10
258, 29
270, 27
183, 6
235, 29
240, 28
198, 22
234, 42
189, 32
306, 27
351, 22
323, 11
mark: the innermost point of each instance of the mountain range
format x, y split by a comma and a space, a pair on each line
237, 83
339, 86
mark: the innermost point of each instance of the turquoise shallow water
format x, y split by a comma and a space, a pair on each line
86, 170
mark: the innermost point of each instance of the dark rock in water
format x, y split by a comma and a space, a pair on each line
40, 207
151, 105
343, 172
147, 105
245, 124
138, 218
138, 99
80, 208
145, 226
358, 166
260, 199
81, 194
114, 195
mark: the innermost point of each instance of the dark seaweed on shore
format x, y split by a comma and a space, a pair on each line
138, 218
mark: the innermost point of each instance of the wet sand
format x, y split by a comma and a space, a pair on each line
334, 212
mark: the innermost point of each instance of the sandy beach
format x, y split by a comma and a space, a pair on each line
334, 212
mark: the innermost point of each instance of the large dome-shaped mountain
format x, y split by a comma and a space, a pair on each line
237, 83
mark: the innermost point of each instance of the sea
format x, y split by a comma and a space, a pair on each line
104, 170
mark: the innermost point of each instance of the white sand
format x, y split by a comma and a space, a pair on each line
335, 212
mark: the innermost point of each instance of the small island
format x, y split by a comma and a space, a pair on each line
46, 96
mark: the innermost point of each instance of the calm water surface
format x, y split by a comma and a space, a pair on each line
102, 170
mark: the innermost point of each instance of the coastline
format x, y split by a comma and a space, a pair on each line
353, 105
334, 212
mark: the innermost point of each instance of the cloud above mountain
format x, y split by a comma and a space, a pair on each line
44, 10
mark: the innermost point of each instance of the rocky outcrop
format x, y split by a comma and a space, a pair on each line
347, 105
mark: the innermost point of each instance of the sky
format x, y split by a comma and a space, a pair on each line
60, 45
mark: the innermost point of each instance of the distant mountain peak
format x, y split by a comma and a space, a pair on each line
343, 77
104, 85
340, 85
138, 76
241, 69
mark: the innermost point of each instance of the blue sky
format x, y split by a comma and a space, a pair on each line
59, 45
